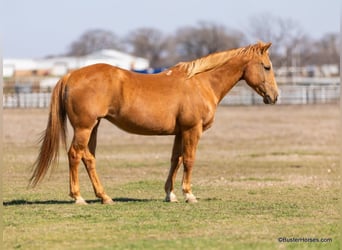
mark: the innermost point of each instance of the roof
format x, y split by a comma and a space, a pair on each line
113, 57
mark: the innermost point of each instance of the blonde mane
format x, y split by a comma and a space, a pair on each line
216, 60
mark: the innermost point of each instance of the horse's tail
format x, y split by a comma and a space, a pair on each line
54, 133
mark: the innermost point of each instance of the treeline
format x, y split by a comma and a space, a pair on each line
291, 45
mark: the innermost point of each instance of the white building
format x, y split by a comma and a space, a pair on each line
58, 66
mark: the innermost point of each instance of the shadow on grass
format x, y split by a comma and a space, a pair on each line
61, 202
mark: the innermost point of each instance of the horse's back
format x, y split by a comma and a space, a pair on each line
138, 103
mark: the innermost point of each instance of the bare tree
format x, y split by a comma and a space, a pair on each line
303, 51
206, 38
327, 50
284, 33
93, 40
291, 47
149, 43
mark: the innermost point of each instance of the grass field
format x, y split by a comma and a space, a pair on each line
262, 173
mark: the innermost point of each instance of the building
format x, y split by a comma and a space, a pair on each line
58, 66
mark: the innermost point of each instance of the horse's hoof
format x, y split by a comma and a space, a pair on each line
80, 201
190, 198
108, 201
168, 199
171, 198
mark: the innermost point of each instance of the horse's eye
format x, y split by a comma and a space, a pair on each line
267, 67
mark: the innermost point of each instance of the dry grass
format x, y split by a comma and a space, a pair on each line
262, 172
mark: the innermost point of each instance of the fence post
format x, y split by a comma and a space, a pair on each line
323, 94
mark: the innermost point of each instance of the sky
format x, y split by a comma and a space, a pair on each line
37, 28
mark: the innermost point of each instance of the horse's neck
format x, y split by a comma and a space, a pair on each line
224, 78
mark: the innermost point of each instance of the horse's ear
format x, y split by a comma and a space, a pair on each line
265, 47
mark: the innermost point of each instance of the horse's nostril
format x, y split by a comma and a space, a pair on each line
267, 99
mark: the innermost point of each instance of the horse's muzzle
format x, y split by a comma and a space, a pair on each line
269, 100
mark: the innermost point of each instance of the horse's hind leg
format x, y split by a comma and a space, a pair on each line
75, 155
93, 139
79, 150
89, 162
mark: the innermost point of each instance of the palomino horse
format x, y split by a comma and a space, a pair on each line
180, 101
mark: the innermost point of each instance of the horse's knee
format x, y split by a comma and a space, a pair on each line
74, 156
188, 163
72, 153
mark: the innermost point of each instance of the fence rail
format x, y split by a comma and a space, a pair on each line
239, 95
289, 94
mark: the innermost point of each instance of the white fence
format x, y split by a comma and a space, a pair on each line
289, 94
26, 100
239, 95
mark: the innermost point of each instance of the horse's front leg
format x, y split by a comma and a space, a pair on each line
190, 141
176, 161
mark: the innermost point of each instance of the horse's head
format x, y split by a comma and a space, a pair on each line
259, 73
